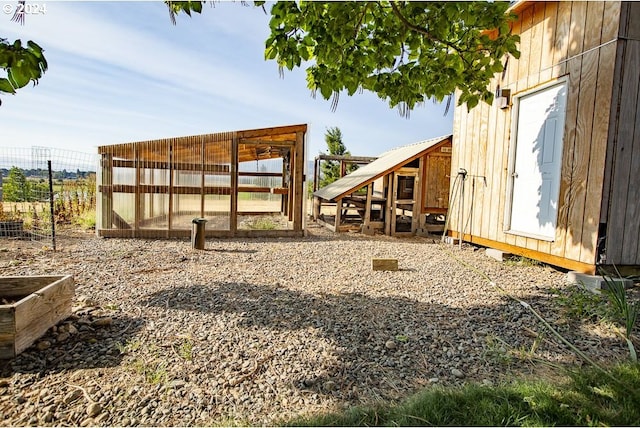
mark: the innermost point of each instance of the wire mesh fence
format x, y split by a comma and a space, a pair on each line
44, 188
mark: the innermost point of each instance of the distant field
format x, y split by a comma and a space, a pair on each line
24, 206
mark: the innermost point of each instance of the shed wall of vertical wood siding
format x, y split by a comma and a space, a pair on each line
622, 181
558, 39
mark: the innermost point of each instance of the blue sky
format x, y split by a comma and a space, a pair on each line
121, 72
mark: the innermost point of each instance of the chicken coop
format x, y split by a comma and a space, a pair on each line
243, 183
399, 193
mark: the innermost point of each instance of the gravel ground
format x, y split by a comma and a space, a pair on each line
256, 331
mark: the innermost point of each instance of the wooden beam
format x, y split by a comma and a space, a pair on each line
329, 226
298, 182
317, 207
290, 163
388, 187
251, 233
180, 166
349, 227
316, 174
107, 194
185, 233
189, 190
202, 177
279, 190
271, 141
286, 180
119, 222
347, 159
338, 214
260, 213
259, 174
394, 192
233, 219
170, 191
367, 206
532, 254
418, 195
290, 129
149, 199
366, 224
137, 198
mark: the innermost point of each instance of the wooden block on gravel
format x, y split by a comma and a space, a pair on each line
384, 264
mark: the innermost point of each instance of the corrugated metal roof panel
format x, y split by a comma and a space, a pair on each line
387, 162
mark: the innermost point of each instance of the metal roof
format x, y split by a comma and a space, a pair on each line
387, 162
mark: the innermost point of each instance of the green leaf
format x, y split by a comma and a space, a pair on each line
18, 77
270, 53
632, 351
5, 86
472, 102
196, 6
326, 92
304, 52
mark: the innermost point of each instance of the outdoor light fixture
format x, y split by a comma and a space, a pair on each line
503, 97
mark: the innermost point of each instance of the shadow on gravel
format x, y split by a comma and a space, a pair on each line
91, 347
383, 347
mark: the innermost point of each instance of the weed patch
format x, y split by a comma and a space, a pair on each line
263, 224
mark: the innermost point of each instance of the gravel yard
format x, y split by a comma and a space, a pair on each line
255, 331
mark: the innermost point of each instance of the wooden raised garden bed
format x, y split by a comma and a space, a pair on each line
29, 306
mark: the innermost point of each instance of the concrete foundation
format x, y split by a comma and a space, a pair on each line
596, 283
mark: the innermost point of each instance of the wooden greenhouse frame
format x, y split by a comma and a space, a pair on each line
161, 182
588, 53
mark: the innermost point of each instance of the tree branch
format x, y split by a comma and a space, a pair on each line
422, 31
364, 12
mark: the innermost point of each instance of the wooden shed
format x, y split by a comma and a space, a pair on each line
244, 183
552, 166
393, 194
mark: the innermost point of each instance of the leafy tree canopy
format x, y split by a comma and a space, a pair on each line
406, 52
22, 64
16, 188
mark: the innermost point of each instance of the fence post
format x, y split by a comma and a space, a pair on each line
53, 218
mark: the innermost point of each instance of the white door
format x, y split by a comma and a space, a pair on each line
538, 159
